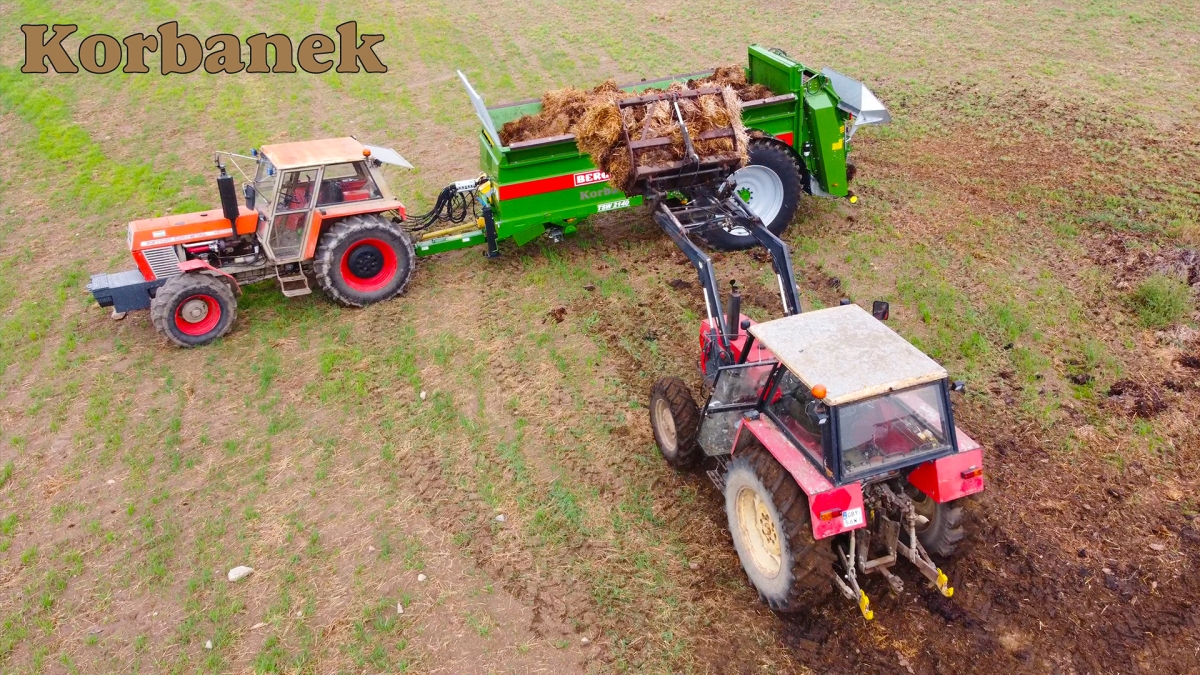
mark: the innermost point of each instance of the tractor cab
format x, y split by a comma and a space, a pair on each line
328, 176
859, 401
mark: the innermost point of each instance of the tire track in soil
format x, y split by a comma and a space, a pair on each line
509, 564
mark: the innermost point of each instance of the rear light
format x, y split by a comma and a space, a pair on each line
973, 472
830, 514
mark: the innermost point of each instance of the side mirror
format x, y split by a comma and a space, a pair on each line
880, 310
958, 386
248, 192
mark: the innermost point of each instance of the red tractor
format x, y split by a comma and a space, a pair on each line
317, 209
834, 437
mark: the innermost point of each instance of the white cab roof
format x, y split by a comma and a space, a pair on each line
850, 352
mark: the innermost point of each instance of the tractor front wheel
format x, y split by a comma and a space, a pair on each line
363, 260
675, 419
769, 522
943, 527
193, 309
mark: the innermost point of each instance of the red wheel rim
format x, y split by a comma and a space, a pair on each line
371, 255
202, 325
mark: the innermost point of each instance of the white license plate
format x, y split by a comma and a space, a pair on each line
852, 518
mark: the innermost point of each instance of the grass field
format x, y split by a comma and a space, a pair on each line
1031, 214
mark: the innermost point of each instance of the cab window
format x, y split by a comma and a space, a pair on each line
349, 182
794, 407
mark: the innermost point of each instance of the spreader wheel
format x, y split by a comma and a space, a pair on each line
675, 419
769, 522
943, 529
193, 309
364, 259
770, 185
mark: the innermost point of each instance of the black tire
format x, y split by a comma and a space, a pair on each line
193, 309
675, 419
803, 571
778, 160
941, 535
364, 259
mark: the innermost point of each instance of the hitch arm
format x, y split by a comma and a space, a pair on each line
781, 259
703, 264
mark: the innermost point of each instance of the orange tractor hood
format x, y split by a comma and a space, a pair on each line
184, 228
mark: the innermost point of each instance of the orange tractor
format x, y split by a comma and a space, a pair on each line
314, 208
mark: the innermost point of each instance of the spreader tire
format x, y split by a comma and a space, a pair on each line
675, 419
771, 185
769, 522
193, 309
363, 260
941, 535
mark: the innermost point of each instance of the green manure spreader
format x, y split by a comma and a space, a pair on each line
800, 139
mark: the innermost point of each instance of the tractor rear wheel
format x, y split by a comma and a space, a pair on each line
770, 184
675, 419
193, 309
943, 529
769, 521
363, 260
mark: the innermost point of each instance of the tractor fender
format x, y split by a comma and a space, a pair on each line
196, 266
842, 505
323, 216
952, 476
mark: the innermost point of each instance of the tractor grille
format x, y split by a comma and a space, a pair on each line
164, 262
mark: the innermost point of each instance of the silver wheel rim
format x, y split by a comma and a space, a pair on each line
759, 531
665, 423
194, 311
762, 191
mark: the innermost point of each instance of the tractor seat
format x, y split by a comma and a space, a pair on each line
330, 193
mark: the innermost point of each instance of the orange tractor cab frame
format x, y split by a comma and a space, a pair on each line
313, 208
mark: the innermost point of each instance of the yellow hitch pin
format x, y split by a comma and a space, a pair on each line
942, 586
853, 199
864, 605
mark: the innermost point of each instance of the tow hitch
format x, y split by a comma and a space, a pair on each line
883, 536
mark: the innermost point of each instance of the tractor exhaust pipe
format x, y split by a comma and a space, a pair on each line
734, 311
229, 202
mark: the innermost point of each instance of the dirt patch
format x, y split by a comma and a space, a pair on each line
1133, 258
1136, 398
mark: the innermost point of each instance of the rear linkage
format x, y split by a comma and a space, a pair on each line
881, 501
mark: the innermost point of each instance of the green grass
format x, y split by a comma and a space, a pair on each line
1161, 300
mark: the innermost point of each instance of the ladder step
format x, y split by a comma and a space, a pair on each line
293, 285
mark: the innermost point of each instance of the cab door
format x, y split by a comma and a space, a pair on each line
293, 214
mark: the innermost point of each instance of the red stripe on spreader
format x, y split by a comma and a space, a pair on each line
786, 138
537, 187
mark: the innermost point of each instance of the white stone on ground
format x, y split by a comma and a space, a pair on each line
240, 572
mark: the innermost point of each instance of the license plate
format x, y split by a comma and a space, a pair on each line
852, 518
